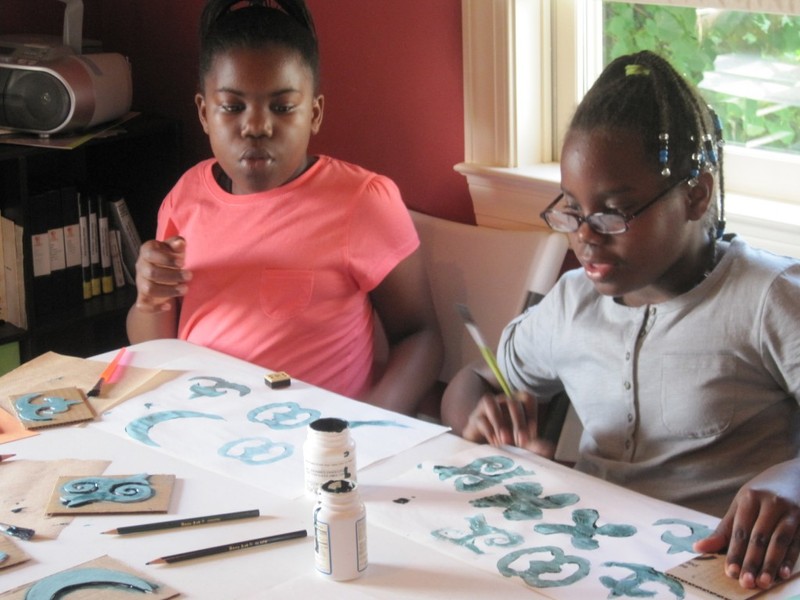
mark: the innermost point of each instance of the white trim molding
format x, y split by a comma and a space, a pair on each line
512, 177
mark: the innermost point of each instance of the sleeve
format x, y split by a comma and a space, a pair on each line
780, 323
381, 233
525, 350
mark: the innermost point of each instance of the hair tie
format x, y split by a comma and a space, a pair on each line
636, 70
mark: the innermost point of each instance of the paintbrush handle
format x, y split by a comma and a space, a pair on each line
488, 356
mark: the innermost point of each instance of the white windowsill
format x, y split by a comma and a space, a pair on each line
512, 198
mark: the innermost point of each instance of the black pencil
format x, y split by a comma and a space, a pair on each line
270, 539
180, 523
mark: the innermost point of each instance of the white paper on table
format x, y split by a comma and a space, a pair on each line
422, 502
247, 419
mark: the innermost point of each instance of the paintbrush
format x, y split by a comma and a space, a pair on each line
487, 353
107, 373
22, 533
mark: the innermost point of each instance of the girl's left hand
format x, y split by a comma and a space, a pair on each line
761, 528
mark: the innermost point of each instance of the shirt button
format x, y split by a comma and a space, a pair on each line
627, 385
627, 356
652, 310
630, 418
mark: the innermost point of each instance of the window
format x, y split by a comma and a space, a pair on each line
528, 62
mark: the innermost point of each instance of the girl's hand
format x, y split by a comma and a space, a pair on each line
761, 529
500, 420
160, 275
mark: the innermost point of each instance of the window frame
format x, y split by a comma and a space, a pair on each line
516, 111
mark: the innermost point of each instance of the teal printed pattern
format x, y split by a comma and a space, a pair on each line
89, 490
61, 584
283, 415
218, 387
683, 544
256, 450
479, 530
44, 411
523, 501
631, 586
139, 429
481, 473
585, 529
536, 569
378, 423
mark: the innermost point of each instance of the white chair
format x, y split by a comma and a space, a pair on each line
496, 273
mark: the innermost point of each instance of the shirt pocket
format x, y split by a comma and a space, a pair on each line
698, 397
285, 293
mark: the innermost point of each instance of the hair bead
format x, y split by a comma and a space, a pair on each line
663, 154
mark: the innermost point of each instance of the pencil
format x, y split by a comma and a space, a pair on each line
6, 456
270, 539
106, 374
181, 523
486, 352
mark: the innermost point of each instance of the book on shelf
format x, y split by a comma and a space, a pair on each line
40, 255
58, 258
72, 244
16, 313
3, 293
114, 242
86, 261
94, 244
131, 241
106, 274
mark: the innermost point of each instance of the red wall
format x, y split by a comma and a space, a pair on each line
391, 75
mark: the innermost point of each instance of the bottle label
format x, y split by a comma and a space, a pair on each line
322, 547
361, 543
317, 473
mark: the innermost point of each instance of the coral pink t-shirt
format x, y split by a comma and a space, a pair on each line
281, 278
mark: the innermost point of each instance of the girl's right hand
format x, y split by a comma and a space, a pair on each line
500, 420
160, 275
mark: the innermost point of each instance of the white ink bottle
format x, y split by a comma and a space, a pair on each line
340, 531
328, 453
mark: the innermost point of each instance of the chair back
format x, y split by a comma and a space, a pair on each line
496, 273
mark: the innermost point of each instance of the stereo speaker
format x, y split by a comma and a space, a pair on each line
71, 92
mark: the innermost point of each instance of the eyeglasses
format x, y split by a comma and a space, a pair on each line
609, 222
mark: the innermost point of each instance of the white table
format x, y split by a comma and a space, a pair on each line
398, 567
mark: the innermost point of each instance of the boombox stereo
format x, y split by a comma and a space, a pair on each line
48, 88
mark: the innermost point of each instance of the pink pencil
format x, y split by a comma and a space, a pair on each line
106, 374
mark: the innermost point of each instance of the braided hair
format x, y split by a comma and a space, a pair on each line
232, 24
682, 136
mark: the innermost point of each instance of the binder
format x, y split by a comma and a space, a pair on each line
131, 241
86, 261
58, 258
106, 275
42, 301
94, 246
72, 245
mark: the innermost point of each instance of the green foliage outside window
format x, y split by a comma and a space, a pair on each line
692, 39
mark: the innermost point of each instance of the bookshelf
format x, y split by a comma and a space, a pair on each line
139, 161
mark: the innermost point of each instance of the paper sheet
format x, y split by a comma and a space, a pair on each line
568, 535
227, 420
